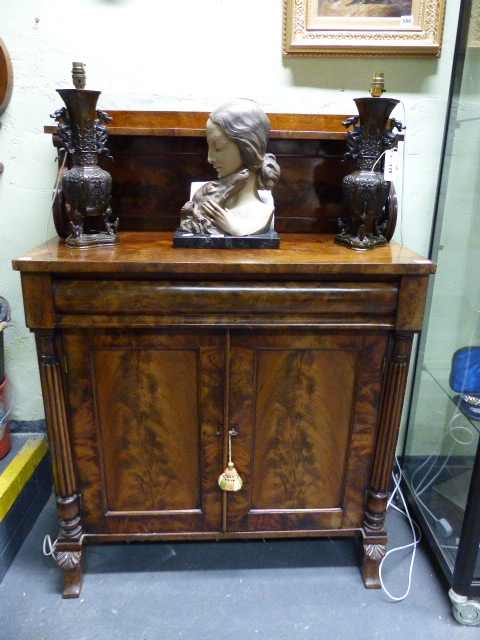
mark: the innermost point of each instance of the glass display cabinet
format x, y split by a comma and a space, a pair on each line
441, 457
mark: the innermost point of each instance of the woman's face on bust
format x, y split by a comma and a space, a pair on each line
223, 153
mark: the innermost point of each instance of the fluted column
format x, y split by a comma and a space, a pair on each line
375, 535
68, 546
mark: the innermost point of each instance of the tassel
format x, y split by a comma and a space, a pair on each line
229, 480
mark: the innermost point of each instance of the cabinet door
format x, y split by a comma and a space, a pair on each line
304, 406
144, 410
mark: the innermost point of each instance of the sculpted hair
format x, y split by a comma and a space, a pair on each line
244, 122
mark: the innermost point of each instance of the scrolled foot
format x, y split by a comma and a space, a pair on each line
373, 555
72, 583
71, 564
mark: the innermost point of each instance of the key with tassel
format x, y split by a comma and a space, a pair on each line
229, 480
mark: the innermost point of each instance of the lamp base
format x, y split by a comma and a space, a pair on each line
92, 240
366, 244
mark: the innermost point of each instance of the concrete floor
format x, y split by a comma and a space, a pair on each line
270, 590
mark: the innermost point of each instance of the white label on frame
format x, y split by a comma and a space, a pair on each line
390, 168
406, 21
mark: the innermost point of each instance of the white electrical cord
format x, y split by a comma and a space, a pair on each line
453, 431
419, 489
416, 533
49, 546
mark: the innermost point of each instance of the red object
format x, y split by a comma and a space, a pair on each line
5, 443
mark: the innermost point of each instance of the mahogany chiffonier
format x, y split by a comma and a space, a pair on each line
152, 358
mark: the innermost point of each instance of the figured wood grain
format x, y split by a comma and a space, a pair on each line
38, 295
368, 394
192, 123
144, 428
411, 303
307, 395
375, 301
149, 427
152, 178
301, 430
84, 432
153, 254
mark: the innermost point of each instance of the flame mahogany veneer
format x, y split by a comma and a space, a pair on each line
148, 355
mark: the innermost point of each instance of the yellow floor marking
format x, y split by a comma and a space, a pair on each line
18, 472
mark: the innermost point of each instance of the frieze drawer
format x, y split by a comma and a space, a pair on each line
376, 301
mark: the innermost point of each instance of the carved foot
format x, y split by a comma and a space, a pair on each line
373, 554
71, 562
465, 610
75, 222
110, 226
68, 547
374, 538
72, 583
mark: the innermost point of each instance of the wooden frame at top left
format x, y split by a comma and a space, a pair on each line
6, 77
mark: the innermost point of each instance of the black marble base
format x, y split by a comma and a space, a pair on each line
185, 240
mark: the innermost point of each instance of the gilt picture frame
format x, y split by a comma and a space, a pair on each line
386, 28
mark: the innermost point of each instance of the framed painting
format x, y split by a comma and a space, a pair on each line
386, 28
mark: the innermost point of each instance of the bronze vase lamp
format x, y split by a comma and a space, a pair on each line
86, 187
369, 200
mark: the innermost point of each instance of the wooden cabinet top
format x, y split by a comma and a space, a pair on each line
300, 255
192, 124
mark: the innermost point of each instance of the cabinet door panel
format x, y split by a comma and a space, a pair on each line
309, 431
146, 443
147, 412
301, 429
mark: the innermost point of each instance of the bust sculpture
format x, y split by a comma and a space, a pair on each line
238, 204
